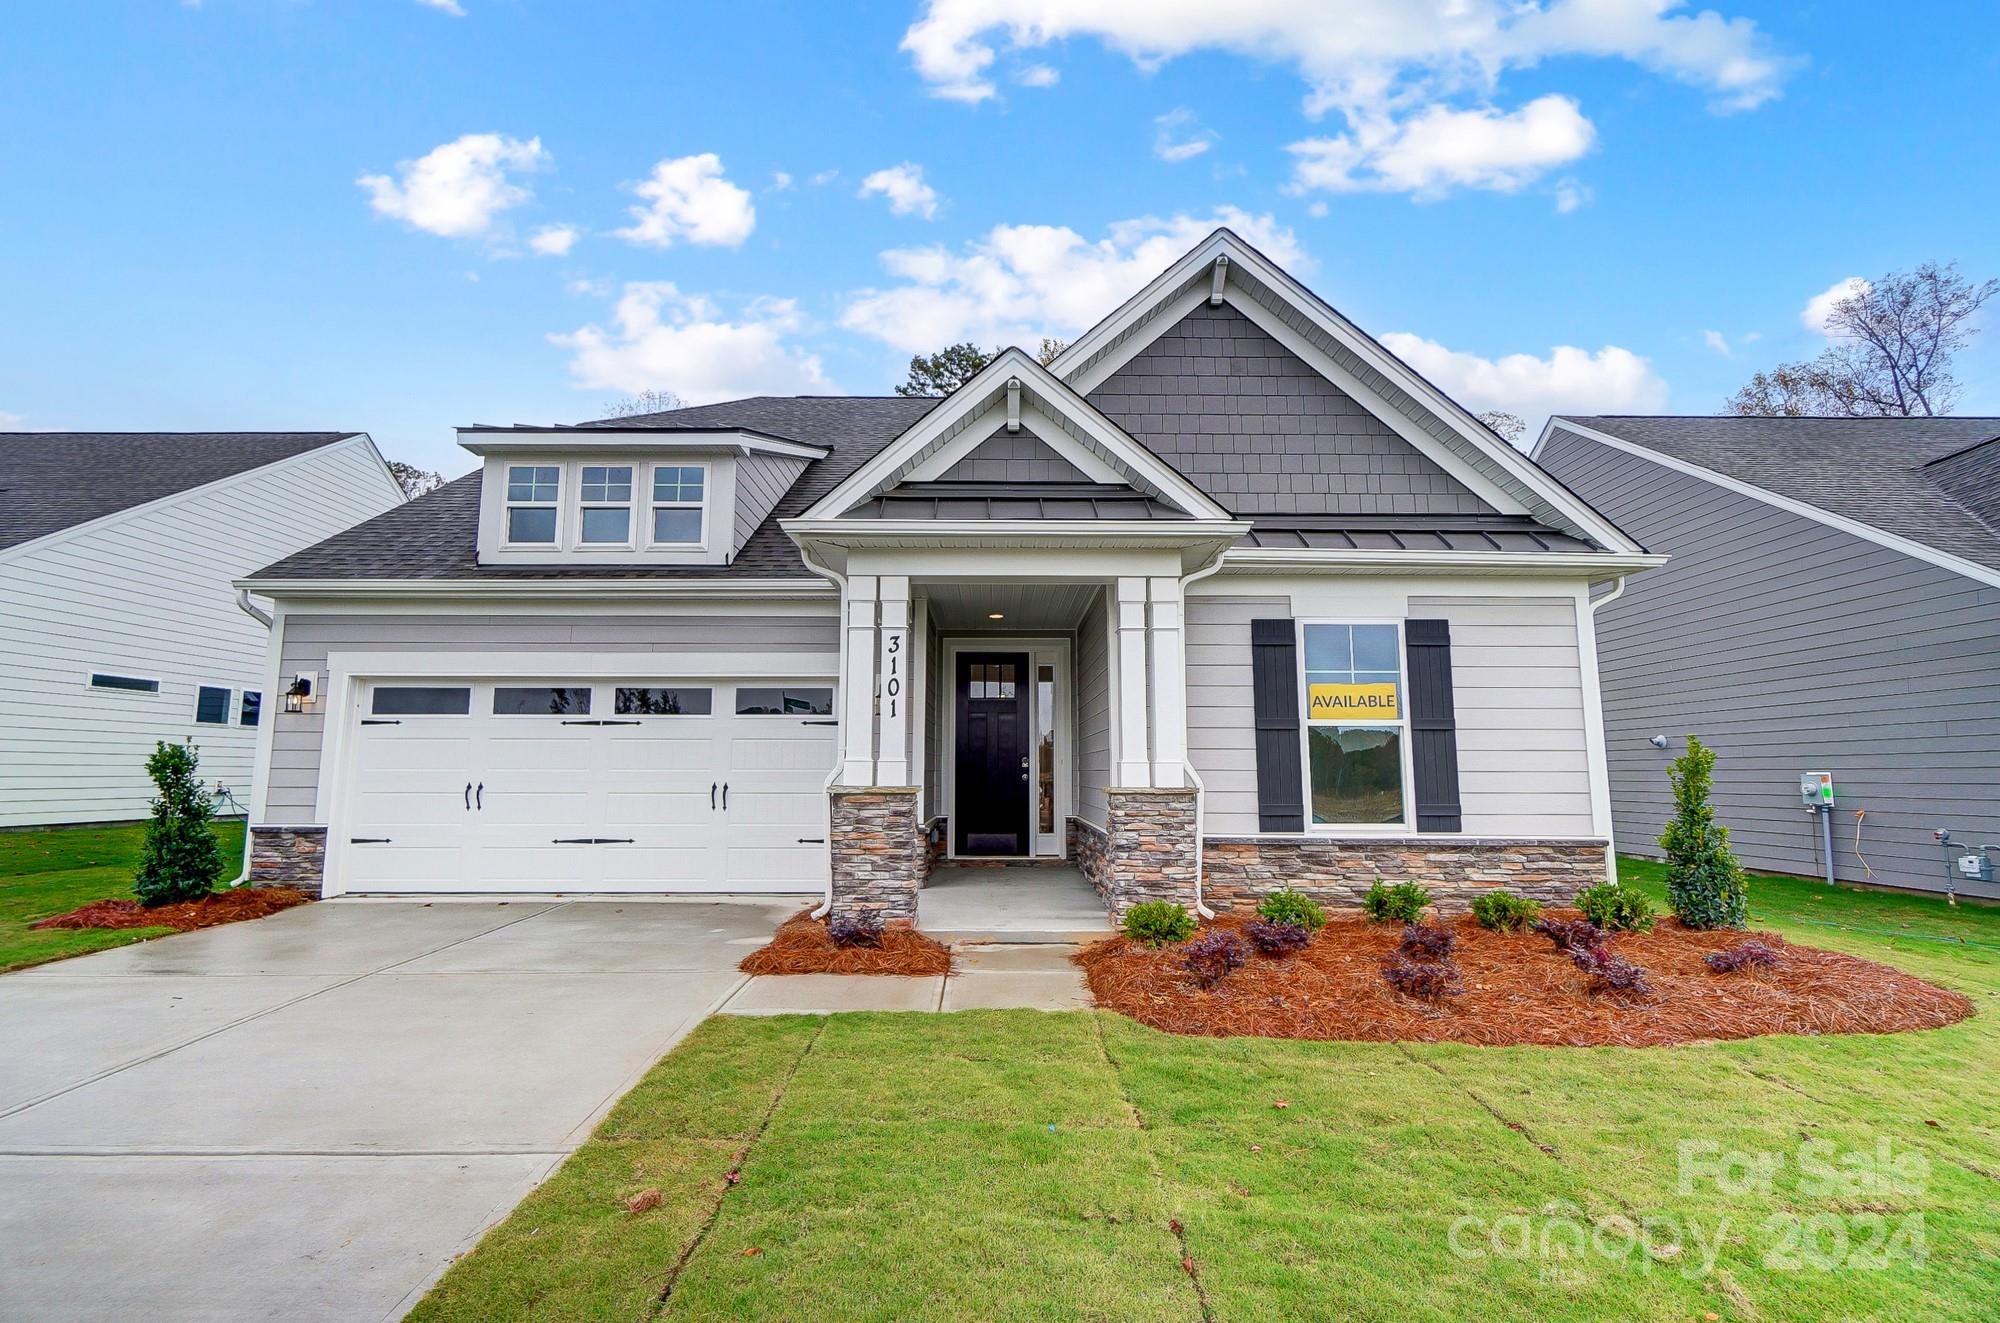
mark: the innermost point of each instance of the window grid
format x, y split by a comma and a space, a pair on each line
534, 493
606, 505
679, 495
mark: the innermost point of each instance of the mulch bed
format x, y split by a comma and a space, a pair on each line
1518, 990
221, 907
802, 946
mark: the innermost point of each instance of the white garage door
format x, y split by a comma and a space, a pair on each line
626, 785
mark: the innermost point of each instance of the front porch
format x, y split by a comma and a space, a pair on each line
1011, 905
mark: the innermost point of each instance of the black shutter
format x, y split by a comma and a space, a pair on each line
1433, 724
1274, 687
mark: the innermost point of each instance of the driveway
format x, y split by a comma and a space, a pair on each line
308, 1116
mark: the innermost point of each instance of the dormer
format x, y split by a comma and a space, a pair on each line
626, 495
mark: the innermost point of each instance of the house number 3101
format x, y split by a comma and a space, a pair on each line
892, 670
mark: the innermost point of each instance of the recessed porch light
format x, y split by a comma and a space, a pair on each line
996, 615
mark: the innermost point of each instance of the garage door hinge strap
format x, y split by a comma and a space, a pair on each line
812, 840
368, 840
600, 722
380, 721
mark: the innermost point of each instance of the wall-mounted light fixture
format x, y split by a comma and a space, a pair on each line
299, 693
996, 615
1658, 741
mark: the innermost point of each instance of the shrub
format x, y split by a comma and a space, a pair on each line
181, 859
1740, 956
1404, 902
1294, 908
1158, 922
1571, 934
1428, 941
855, 930
1705, 884
1214, 956
1610, 972
1615, 908
1426, 980
1277, 939
1505, 912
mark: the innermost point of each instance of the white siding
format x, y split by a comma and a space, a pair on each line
1222, 727
148, 594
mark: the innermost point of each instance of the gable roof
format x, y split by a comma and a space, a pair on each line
51, 481
1903, 476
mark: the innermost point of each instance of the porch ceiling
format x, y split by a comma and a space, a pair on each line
1057, 607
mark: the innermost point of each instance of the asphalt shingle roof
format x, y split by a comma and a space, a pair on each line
1878, 471
50, 481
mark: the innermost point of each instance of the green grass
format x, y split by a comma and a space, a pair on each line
44, 873
1029, 1166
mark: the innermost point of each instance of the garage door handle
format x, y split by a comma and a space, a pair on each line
479, 797
725, 796
711, 795
468, 796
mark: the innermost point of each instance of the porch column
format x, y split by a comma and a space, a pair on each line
1133, 768
857, 695
892, 763
1169, 698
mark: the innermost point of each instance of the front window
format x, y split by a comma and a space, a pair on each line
678, 493
606, 495
532, 494
1355, 724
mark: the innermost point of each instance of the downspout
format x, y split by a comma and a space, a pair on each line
1617, 591
1610, 833
1187, 764
251, 609
840, 687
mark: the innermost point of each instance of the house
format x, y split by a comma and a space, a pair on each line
1224, 597
1832, 605
119, 624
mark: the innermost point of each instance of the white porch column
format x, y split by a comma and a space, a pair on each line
892, 763
857, 694
1133, 768
1169, 698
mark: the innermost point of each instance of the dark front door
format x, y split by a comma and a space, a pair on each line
990, 806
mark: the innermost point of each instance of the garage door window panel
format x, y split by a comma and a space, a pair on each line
421, 701
660, 701
540, 701
791, 701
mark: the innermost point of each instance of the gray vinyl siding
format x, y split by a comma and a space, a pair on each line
1791, 647
1258, 429
761, 480
1013, 457
1517, 687
1093, 713
293, 783
1222, 736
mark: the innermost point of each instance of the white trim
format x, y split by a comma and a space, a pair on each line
980, 430
1167, 658
857, 681
1263, 560
1867, 532
1131, 758
892, 698
553, 586
611, 440
1404, 746
1032, 647
228, 705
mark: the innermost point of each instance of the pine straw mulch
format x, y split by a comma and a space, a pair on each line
802, 946
219, 908
1518, 990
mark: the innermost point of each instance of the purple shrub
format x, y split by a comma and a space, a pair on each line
1214, 956
1740, 956
1426, 980
855, 930
1428, 941
1610, 972
1572, 934
1277, 939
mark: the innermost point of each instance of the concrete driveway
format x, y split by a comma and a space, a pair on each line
307, 1116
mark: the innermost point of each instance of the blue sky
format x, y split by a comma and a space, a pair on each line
388, 216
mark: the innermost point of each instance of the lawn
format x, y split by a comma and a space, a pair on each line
44, 873
1026, 1166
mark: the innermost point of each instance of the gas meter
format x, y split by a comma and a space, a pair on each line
1976, 866
1816, 790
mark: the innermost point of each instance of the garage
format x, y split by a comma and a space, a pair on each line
620, 785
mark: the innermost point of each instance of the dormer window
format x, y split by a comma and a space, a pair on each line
606, 504
678, 496
533, 509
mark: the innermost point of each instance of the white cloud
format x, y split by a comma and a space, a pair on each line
1719, 342
661, 339
451, 7
1038, 75
780, 180
1570, 195
1021, 282
457, 189
1317, 210
1439, 149
1569, 380
1178, 136
10, 422
823, 177
554, 240
905, 188
688, 198
1365, 55
1820, 306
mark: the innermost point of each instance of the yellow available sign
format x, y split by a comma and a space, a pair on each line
1335, 701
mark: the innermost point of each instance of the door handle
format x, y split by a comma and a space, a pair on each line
711, 795
725, 796
479, 797
468, 796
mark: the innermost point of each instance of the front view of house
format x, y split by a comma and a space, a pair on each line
1224, 598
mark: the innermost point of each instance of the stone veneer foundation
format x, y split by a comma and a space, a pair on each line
287, 856
880, 854
1145, 851
1239, 870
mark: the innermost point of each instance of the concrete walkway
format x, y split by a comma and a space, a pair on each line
1045, 903
1004, 976
306, 1117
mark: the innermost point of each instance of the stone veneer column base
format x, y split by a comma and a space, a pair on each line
1145, 852
879, 855
288, 857
1240, 870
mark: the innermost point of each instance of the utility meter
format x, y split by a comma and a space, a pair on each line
1976, 867
1816, 790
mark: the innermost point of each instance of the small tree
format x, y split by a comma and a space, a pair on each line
1705, 884
181, 860
414, 481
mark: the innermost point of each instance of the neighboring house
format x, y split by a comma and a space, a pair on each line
1226, 597
119, 625
1832, 605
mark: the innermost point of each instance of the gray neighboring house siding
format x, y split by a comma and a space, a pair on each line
309, 637
1790, 646
1252, 424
